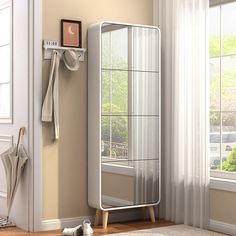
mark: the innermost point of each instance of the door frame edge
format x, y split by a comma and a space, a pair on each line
35, 103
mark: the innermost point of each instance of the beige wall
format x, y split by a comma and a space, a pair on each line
65, 162
223, 206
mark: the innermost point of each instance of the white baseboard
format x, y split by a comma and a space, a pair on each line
63, 223
114, 216
222, 227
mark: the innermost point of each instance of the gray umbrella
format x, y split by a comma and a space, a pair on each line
14, 160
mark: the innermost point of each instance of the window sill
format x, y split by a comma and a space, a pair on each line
118, 169
223, 184
223, 175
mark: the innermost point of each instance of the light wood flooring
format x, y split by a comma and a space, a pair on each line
112, 228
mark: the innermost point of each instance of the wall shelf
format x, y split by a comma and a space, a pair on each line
48, 51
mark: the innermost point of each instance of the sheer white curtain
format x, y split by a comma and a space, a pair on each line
143, 104
185, 168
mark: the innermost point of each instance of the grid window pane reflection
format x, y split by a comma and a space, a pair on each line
5, 61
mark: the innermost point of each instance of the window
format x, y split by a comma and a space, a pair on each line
223, 89
5, 61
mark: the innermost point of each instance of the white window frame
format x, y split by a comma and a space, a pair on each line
9, 120
222, 180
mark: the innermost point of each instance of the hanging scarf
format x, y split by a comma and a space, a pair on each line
50, 109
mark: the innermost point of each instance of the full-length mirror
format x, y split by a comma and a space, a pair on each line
129, 115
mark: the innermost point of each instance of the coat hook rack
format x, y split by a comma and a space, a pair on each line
49, 48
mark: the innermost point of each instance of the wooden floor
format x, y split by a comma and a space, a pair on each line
112, 228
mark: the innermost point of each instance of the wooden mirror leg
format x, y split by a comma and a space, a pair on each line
104, 219
152, 214
97, 216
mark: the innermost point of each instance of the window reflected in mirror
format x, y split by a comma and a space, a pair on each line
130, 98
5, 60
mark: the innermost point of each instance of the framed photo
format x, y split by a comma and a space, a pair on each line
71, 33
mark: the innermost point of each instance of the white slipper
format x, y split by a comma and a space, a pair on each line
87, 229
76, 231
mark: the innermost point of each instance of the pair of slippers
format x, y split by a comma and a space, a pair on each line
84, 229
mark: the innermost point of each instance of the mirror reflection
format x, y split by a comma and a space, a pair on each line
130, 115
5, 59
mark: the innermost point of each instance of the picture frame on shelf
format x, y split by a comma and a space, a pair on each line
71, 33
